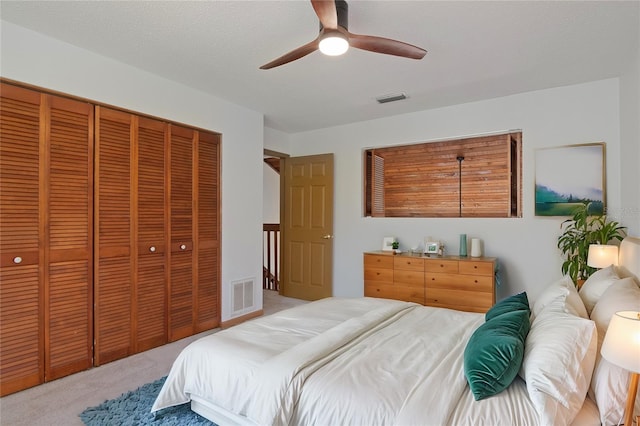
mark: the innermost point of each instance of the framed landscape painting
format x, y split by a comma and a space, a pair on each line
567, 176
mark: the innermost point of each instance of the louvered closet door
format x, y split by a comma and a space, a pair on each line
69, 275
152, 228
181, 295
113, 236
208, 254
21, 289
46, 243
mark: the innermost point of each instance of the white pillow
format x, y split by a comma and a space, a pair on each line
595, 286
609, 384
566, 292
559, 356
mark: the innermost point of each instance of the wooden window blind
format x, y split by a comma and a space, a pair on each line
375, 185
428, 180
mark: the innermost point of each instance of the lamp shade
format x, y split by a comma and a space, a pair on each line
621, 344
602, 255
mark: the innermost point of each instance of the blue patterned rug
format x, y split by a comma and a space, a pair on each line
133, 409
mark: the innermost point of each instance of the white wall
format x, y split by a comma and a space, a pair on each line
32, 58
526, 247
270, 195
274, 140
630, 154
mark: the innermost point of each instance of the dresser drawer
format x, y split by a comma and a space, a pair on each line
378, 261
459, 282
476, 268
379, 289
441, 266
461, 300
408, 263
410, 293
378, 274
408, 277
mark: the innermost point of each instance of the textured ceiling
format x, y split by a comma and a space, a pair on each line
476, 50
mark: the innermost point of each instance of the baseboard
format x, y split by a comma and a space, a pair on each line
241, 319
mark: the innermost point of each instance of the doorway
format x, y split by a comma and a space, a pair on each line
306, 226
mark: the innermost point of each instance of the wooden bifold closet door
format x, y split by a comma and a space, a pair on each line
109, 234
194, 257
131, 236
46, 219
156, 263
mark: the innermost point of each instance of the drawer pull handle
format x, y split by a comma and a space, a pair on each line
183, 247
475, 281
152, 249
17, 260
475, 266
441, 265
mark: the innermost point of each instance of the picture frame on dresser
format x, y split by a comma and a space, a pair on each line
431, 247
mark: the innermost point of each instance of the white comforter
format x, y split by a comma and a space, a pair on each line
336, 361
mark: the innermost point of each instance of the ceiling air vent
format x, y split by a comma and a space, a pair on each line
391, 98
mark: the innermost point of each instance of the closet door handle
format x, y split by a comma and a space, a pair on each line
183, 246
152, 249
17, 260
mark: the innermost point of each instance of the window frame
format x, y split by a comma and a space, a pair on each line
424, 180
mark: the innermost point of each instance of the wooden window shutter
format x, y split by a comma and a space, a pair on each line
374, 184
377, 190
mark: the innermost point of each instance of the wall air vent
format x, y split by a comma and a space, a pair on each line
242, 299
391, 98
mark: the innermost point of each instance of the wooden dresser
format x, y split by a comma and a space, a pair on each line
462, 283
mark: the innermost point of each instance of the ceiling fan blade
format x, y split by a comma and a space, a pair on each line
386, 46
327, 13
293, 55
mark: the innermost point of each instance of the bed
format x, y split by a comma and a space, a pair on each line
368, 361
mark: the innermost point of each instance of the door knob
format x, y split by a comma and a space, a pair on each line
152, 249
327, 237
17, 260
183, 247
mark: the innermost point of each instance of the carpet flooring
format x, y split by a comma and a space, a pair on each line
58, 403
133, 409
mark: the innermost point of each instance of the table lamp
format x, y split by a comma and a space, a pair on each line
621, 346
602, 255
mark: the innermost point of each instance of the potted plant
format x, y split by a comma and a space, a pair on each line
578, 233
395, 246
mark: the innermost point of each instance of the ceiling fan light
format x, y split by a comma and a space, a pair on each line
334, 45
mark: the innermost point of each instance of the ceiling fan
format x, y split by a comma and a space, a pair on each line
335, 38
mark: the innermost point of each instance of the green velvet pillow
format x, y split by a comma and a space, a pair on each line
494, 353
517, 302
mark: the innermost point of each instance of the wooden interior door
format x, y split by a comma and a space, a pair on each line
150, 278
21, 255
307, 227
69, 237
113, 236
181, 295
